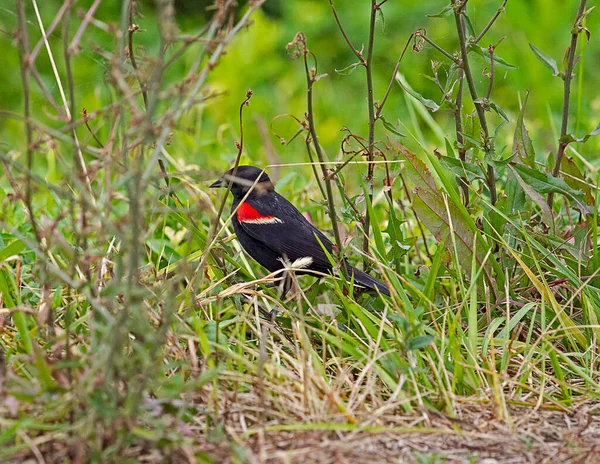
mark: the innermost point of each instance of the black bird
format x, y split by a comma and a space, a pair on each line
271, 229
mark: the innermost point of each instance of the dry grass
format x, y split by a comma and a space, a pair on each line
134, 329
474, 435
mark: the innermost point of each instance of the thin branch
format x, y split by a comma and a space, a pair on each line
86, 118
53, 25
314, 166
311, 78
134, 28
567, 77
350, 202
50, 55
70, 81
438, 48
491, 23
488, 143
47, 95
393, 79
214, 231
80, 236
79, 157
345, 163
24, 58
371, 105
186, 45
460, 142
178, 107
357, 52
491, 49
83, 26
150, 100
423, 235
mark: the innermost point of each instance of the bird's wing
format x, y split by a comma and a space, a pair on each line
276, 223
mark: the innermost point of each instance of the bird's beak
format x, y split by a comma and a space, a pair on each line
217, 184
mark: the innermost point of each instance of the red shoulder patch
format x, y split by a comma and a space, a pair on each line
249, 215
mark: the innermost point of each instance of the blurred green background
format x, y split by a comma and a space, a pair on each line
257, 60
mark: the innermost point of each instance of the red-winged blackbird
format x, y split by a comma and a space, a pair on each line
271, 229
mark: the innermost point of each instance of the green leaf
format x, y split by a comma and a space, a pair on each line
434, 273
163, 248
437, 212
12, 249
572, 332
570, 138
11, 299
348, 69
522, 144
544, 183
390, 127
547, 216
469, 26
44, 372
497, 322
374, 223
473, 141
418, 171
576, 179
438, 215
400, 245
546, 60
514, 320
422, 341
515, 195
381, 18
449, 148
499, 111
462, 168
446, 11
430, 104
499, 62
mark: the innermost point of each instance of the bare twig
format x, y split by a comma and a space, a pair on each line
53, 25
438, 48
87, 125
357, 52
491, 49
24, 60
491, 22
393, 79
311, 75
567, 77
180, 105
420, 225
79, 154
47, 95
488, 142
214, 231
371, 105
81, 237
314, 166
187, 42
368, 65
83, 26
460, 142
133, 28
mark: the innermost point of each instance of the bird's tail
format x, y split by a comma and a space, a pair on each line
364, 279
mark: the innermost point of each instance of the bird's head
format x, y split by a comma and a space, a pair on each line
243, 180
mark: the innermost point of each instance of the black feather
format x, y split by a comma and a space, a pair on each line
290, 237
366, 280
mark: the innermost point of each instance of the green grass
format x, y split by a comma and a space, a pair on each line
133, 327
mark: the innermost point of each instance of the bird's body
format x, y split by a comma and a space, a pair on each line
272, 230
